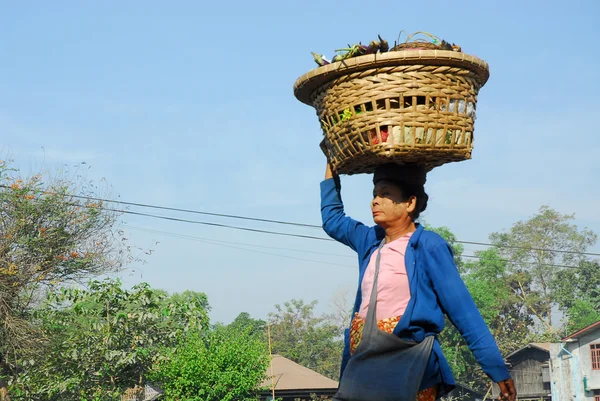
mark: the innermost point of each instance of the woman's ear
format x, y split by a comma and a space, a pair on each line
411, 204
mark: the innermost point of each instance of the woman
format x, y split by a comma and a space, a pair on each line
408, 277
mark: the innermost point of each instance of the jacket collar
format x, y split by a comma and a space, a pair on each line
414, 239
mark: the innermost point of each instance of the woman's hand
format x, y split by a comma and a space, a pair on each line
507, 390
328, 171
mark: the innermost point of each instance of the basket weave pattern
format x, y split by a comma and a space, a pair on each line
405, 114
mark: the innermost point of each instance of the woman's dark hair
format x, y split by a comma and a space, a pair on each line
409, 178
417, 191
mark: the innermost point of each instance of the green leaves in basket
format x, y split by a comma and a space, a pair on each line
354, 51
383, 46
346, 115
448, 137
340, 117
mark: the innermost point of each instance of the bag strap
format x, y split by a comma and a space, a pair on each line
371, 319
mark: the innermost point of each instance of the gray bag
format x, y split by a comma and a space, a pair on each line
383, 367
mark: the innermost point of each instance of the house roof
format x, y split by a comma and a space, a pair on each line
541, 346
583, 331
288, 375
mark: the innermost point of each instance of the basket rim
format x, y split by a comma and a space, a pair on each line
306, 84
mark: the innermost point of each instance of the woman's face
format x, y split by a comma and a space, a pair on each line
388, 204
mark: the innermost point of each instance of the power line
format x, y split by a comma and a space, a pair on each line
217, 242
256, 230
229, 242
321, 238
268, 221
515, 261
186, 220
231, 245
274, 233
528, 248
174, 209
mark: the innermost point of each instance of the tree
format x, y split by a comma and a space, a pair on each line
577, 292
48, 236
521, 279
105, 339
341, 304
306, 339
495, 291
539, 248
255, 327
223, 364
582, 313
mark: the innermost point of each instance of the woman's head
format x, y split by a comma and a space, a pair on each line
398, 194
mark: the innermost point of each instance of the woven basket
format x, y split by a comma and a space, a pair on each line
408, 106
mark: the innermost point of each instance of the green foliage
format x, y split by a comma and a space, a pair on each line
306, 339
105, 339
582, 313
496, 292
48, 236
538, 248
577, 292
255, 327
516, 284
223, 364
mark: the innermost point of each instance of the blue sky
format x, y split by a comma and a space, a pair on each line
189, 104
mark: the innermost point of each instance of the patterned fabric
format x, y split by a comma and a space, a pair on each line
388, 325
429, 394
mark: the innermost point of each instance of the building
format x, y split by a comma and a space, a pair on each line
292, 381
530, 369
575, 366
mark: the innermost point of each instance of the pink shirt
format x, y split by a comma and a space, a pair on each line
393, 291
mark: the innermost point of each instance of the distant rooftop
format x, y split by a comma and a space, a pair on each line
541, 346
583, 331
288, 375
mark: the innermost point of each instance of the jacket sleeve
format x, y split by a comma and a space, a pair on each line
458, 304
335, 222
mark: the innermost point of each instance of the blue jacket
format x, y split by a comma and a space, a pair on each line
436, 289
